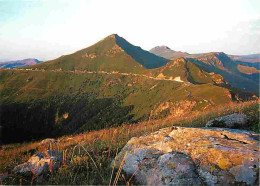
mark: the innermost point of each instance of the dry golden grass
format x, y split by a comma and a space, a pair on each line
87, 157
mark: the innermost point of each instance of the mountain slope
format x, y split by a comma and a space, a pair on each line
167, 53
113, 53
19, 63
185, 71
35, 103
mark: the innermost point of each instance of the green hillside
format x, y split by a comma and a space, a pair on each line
35, 102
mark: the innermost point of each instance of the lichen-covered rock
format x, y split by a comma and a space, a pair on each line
40, 164
229, 121
192, 156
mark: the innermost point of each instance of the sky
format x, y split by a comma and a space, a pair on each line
47, 29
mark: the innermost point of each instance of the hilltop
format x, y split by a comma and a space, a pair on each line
19, 63
167, 53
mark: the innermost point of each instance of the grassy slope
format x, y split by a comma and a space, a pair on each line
23, 86
102, 146
102, 59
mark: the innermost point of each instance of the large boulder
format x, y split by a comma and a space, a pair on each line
40, 164
229, 121
192, 156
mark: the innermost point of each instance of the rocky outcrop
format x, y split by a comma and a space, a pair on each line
175, 109
229, 121
40, 164
192, 156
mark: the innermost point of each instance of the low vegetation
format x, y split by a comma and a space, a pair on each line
87, 157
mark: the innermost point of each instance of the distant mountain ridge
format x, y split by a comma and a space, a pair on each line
167, 53
240, 71
220, 63
252, 58
19, 63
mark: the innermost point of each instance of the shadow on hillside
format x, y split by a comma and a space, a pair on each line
145, 58
60, 115
236, 79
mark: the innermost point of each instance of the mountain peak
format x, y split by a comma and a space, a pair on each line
113, 35
112, 53
162, 47
166, 52
19, 63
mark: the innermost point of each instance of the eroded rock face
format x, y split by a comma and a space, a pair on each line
192, 156
229, 121
40, 164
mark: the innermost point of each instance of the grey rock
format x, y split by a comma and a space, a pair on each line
192, 156
229, 121
40, 164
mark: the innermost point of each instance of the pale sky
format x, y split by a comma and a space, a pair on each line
47, 29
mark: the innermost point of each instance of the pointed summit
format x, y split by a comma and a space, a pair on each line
113, 35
